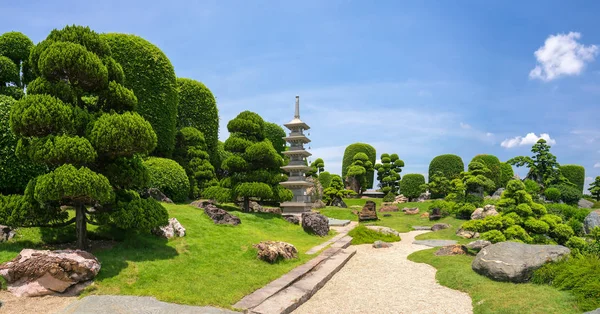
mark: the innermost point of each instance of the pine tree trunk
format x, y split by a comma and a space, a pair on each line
246, 204
81, 226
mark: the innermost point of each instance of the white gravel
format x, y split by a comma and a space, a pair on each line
384, 281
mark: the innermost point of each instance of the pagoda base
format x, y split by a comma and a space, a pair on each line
295, 207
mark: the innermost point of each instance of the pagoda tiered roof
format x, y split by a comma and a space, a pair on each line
296, 123
300, 152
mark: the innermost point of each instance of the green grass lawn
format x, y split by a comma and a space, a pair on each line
364, 235
491, 296
211, 265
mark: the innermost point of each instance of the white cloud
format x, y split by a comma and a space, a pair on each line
465, 126
488, 134
562, 55
529, 139
597, 165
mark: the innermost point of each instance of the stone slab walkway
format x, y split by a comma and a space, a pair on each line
384, 281
103, 304
342, 232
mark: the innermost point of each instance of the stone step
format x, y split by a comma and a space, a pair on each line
290, 298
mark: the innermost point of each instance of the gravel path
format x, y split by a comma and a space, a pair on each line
384, 281
46, 304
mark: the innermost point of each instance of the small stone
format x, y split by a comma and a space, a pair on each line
438, 227
156, 194
173, 228
400, 199
6, 233
389, 208
497, 194
292, 219
380, 244
455, 249
583, 203
272, 251
421, 228
384, 230
315, 223
478, 244
411, 211
338, 202
467, 234
387, 215
425, 215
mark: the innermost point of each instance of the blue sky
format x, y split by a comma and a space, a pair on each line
416, 78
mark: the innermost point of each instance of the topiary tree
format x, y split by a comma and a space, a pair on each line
151, 76
568, 193
388, 173
412, 185
325, 179
494, 165
198, 108
575, 174
358, 172
476, 179
335, 190
169, 177
507, 174
275, 134
254, 165
439, 184
450, 166
543, 167
348, 159
92, 142
595, 188
317, 167
190, 153
15, 172
15, 73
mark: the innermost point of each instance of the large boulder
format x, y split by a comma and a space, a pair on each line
221, 216
156, 194
173, 228
515, 262
487, 210
272, 251
591, 221
42, 272
368, 212
498, 194
6, 233
338, 202
315, 223
583, 203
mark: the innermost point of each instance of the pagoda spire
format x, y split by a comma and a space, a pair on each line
297, 113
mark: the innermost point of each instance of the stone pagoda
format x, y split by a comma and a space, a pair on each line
297, 166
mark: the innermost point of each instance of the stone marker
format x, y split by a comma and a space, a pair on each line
315, 223
272, 251
515, 262
454, 249
368, 212
436, 214
6, 233
42, 272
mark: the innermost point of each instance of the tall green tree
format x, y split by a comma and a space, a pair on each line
595, 188
358, 172
388, 173
348, 159
543, 167
317, 167
190, 153
476, 179
15, 72
79, 121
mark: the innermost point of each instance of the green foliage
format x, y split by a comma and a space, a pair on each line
151, 76
118, 98
388, 173
517, 232
134, 213
568, 193
169, 177
439, 185
507, 174
494, 165
325, 179
575, 174
446, 207
316, 167
562, 233
275, 134
532, 187
493, 236
595, 188
72, 186
14, 71
15, 172
411, 185
358, 172
40, 115
449, 165
61, 89
543, 167
476, 179
122, 135
57, 150
552, 194
127, 173
580, 276
389, 197
348, 159
364, 235
465, 210
536, 226
15, 46
217, 193
9, 72
191, 155
198, 108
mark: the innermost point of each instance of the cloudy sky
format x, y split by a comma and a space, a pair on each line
416, 78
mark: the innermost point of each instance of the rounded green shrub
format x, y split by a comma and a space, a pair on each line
575, 174
275, 134
532, 187
253, 189
562, 233
169, 177
450, 166
325, 179
120, 135
493, 163
15, 172
465, 211
552, 194
552, 220
507, 174
57, 150
40, 115
568, 194
60, 89
82, 35
198, 108
349, 154
139, 214
389, 197
151, 76
9, 72
536, 226
492, 223
517, 232
127, 173
119, 98
576, 243
15, 46
67, 184
411, 185
493, 236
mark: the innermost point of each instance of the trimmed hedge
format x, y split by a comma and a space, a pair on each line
410, 185
151, 76
493, 163
14, 172
507, 174
169, 177
198, 108
450, 165
575, 174
354, 149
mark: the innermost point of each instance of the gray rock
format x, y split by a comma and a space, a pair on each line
583, 203
156, 194
439, 226
467, 234
515, 262
454, 249
435, 243
498, 194
384, 230
424, 197
6, 233
591, 221
315, 223
292, 219
220, 216
338, 202
338, 222
487, 210
380, 244
318, 204
596, 311
478, 244
173, 228
272, 251
421, 228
